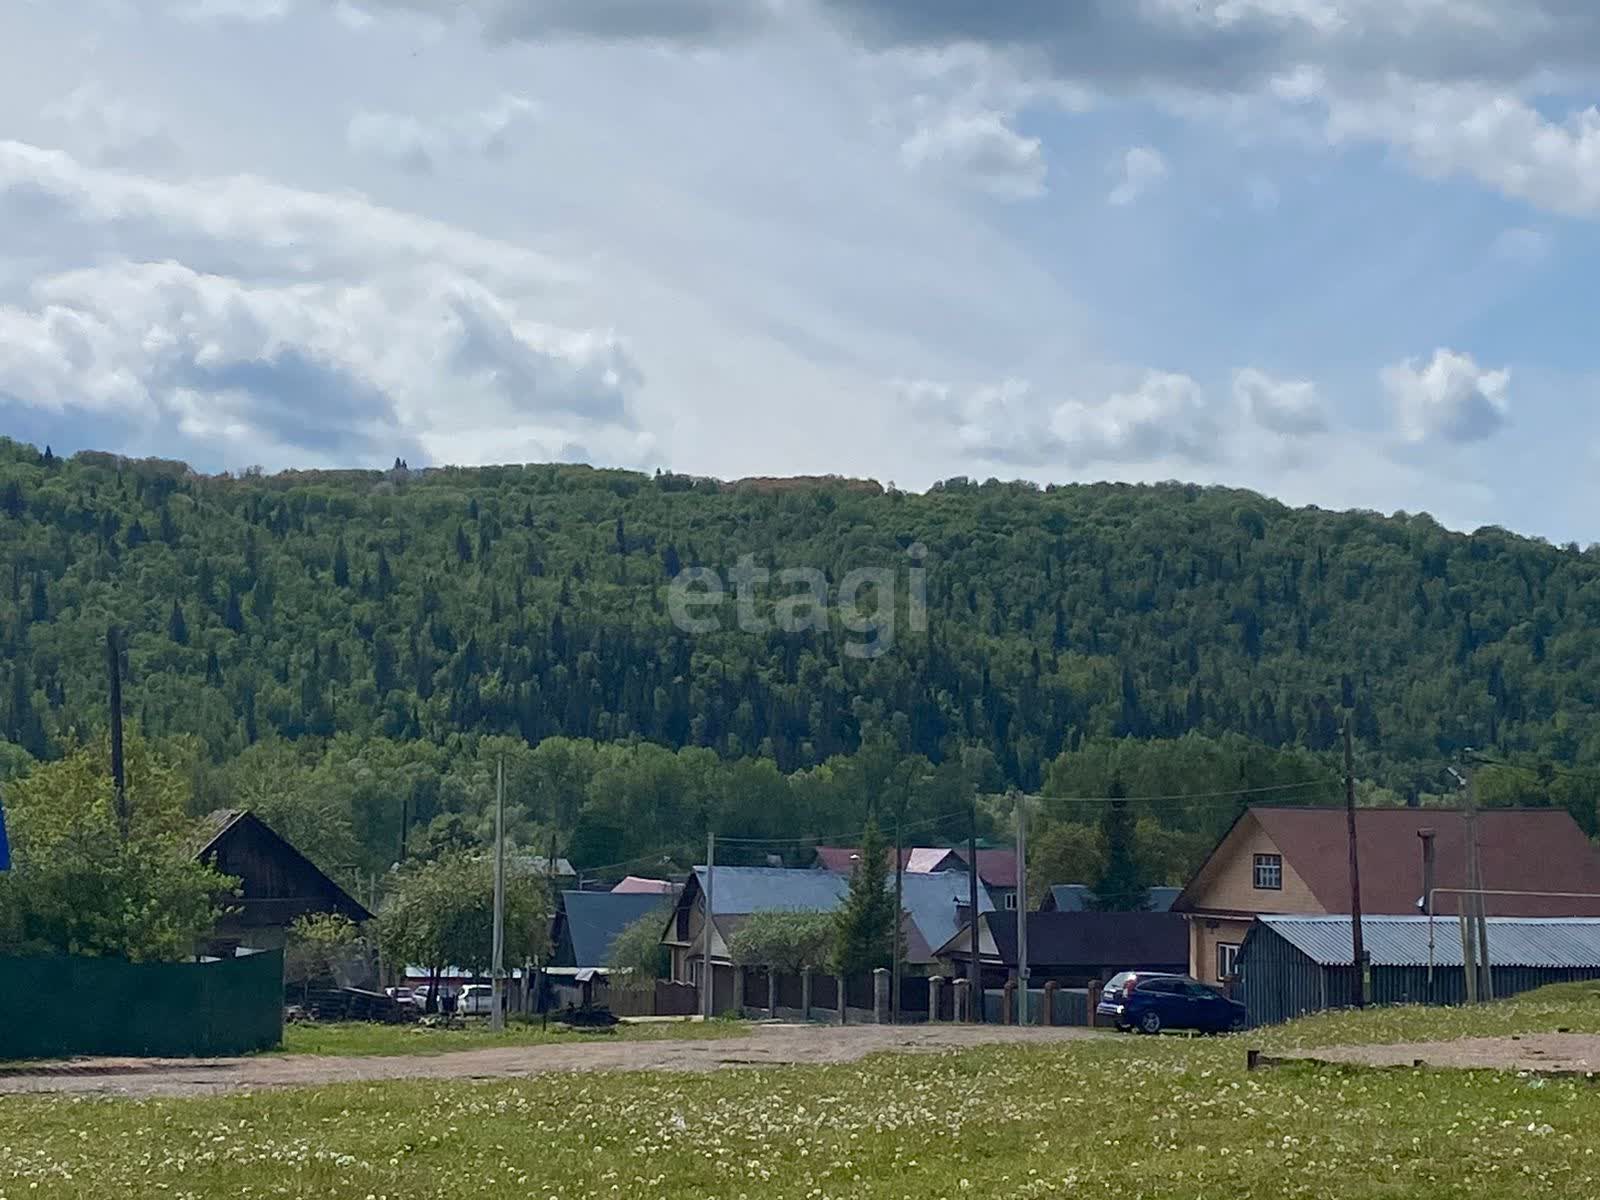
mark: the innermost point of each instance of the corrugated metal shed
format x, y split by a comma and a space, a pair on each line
1289, 966
1403, 941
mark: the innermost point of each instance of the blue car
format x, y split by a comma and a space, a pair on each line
1149, 1002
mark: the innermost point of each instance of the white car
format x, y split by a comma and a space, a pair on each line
475, 1000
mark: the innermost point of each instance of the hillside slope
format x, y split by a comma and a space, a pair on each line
534, 601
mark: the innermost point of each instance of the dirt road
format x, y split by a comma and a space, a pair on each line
1555, 1052
767, 1045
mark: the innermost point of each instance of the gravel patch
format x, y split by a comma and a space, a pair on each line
766, 1046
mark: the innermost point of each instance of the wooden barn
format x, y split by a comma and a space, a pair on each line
277, 883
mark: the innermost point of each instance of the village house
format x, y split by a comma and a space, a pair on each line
1285, 860
586, 924
1080, 897
997, 868
277, 884
1071, 949
934, 905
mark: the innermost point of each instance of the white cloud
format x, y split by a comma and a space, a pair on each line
981, 148
685, 21
417, 145
1287, 406
1491, 135
1140, 169
1163, 417
329, 372
252, 11
1448, 399
111, 130
404, 333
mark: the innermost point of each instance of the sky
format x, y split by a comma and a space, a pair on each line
1337, 251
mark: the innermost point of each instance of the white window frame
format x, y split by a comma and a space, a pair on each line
1268, 866
1227, 952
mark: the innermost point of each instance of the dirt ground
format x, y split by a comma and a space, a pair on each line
1575, 1052
766, 1045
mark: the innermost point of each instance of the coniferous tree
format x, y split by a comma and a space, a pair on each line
864, 929
1123, 885
177, 627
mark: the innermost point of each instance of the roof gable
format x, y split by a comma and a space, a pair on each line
1533, 850
217, 830
1520, 850
594, 919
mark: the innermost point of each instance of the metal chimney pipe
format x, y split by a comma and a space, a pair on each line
1427, 836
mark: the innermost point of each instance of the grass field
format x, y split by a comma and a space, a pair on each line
365, 1039
1121, 1117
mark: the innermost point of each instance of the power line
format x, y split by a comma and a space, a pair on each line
1177, 798
1542, 769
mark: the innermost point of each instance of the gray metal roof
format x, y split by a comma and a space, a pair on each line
594, 919
1403, 941
930, 900
1079, 897
739, 890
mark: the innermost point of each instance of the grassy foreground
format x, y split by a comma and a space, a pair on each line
1116, 1116
363, 1039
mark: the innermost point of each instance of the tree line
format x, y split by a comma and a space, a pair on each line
349, 652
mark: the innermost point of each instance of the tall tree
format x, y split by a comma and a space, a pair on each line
1123, 885
864, 927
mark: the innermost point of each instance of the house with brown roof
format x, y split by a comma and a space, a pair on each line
277, 883
1297, 861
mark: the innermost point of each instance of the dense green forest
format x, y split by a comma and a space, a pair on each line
350, 651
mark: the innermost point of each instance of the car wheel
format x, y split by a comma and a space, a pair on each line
1237, 1025
1150, 1022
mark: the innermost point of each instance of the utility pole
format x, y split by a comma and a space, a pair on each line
544, 975
1357, 941
497, 979
899, 908
707, 984
1480, 921
974, 973
1020, 804
1467, 905
119, 778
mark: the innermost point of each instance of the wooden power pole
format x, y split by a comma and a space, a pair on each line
1358, 942
497, 969
974, 971
1021, 809
707, 982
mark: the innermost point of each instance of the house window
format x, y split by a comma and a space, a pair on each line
1227, 959
1269, 872
1011, 902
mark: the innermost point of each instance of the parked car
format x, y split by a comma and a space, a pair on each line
1150, 1002
475, 1000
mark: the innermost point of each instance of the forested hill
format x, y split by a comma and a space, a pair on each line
534, 601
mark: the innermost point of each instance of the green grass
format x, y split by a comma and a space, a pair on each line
1574, 1006
360, 1038
1129, 1117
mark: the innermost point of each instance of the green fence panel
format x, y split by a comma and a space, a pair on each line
60, 1007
